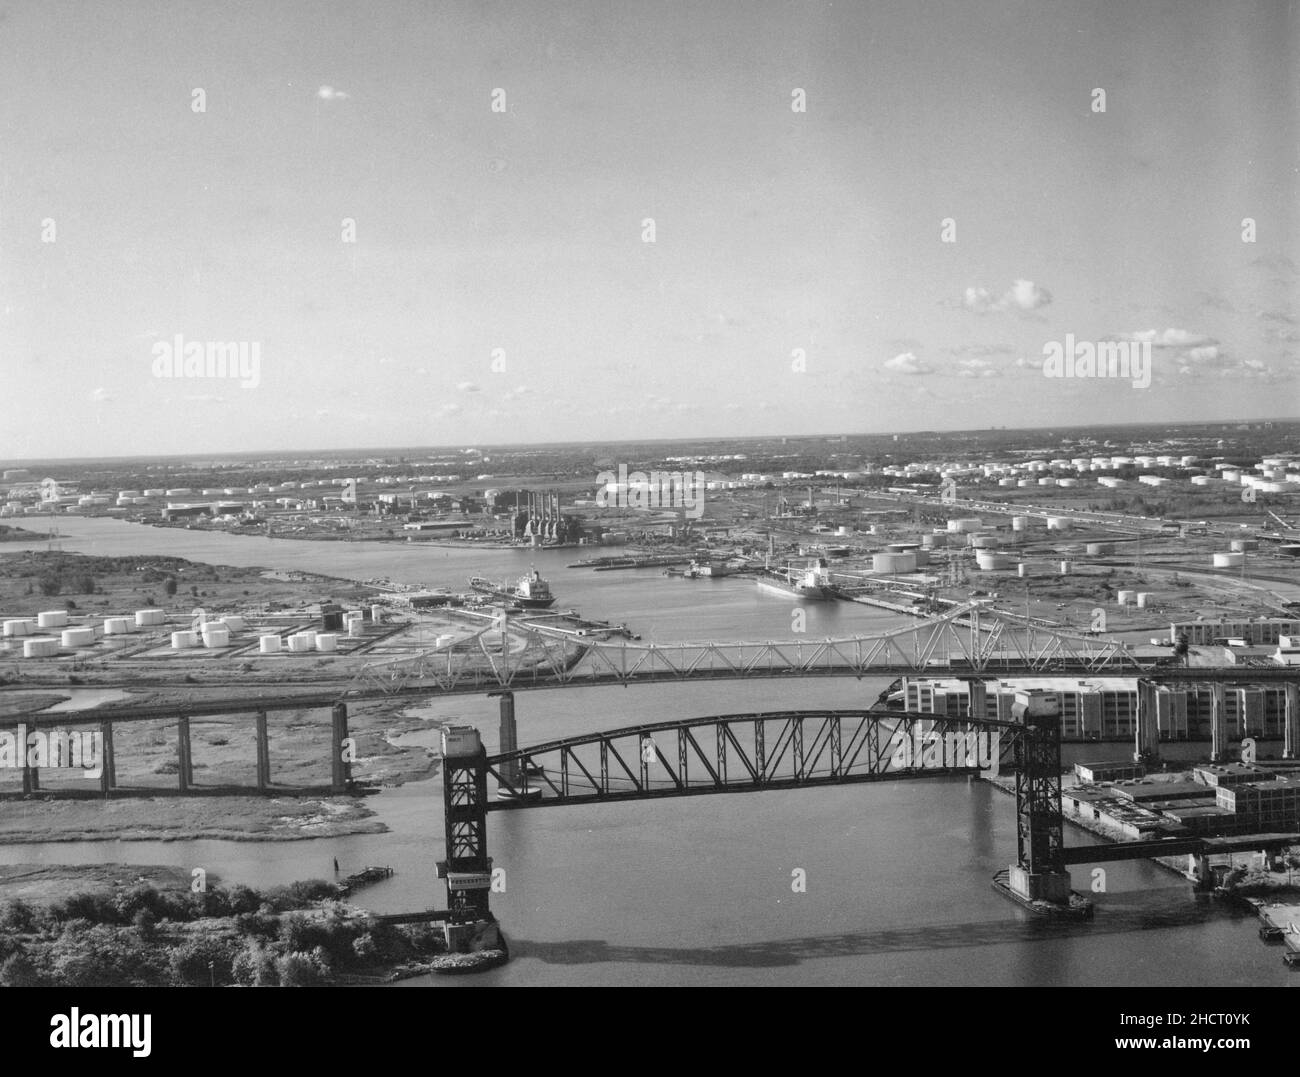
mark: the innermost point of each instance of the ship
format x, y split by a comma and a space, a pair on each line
813, 583
530, 592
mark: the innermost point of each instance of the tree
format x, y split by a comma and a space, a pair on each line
18, 971
49, 585
170, 585
85, 584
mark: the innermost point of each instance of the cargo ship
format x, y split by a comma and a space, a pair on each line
813, 583
531, 591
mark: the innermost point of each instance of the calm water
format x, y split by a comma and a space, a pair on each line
698, 891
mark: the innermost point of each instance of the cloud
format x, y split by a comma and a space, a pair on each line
981, 349
1023, 295
976, 367
205, 398
468, 387
101, 395
328, 93
907, 363
449, 409
1168, 338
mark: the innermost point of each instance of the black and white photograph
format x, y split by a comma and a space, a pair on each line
650, 493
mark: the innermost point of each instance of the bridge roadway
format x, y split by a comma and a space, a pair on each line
345, 690
1203, 846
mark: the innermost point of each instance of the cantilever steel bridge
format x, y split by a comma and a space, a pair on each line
505, 654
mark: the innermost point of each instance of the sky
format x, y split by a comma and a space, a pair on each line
470, 222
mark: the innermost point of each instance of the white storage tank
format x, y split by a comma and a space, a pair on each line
985, 542
988, 560
327, 641
40, 647
1022, 569
52, 618
1125, 598
964, 525
1242, 545
118, 626
893, 562
1020, 523
148, 618
215, 634
77, 637
1229, 560
1065, 568
299, 642
233, 622
19, 626
269, 644
1058, 523
1144, 597
183, 641
309, 634
377, 614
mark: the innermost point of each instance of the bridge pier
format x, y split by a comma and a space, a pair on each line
509, 736
31, 775
1218, 723
263, 754
1291, 734
340, 768
1198, 865
184, 765
1146, 737
108, 771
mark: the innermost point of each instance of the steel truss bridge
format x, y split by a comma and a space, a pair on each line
505, 654
742, 753
754, 752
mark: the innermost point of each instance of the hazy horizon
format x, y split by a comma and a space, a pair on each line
417, 268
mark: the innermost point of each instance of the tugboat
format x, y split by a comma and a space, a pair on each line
529, 592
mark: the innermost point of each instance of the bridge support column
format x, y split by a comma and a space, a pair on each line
1291, 734
509, 735
108, 771
340, 768
1198, 865
468, 868
1146, 732
184, 767
263, 753
1218, 723
31, 775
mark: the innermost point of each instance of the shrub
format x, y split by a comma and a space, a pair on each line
201, 961
18, 971
297, 970
17, 916
255, 966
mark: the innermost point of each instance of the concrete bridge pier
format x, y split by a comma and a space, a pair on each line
184, 764
263, 754
1218, 724
1198, 866
509, 736
340, 768
1291, 735
108, 771
31, 775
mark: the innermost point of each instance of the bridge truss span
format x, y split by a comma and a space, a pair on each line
748, 753
521, 656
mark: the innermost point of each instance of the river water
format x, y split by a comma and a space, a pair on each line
700, 890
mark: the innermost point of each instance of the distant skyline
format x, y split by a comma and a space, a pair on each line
201, 172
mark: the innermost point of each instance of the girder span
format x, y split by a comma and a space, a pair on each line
509, 654
749, 752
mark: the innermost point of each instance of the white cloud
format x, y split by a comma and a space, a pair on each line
1023, 295
907, 363
101, 395
328, 93
467, 387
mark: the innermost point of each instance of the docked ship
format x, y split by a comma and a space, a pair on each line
531, 591
813, 583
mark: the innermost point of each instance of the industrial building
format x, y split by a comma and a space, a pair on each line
1105, 708
1260, 631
